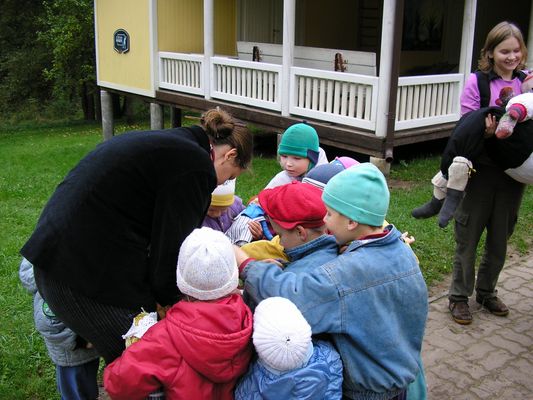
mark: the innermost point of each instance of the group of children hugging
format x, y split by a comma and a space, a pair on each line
305, 293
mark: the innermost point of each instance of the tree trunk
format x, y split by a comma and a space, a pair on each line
87, 101
90, 107
84, 104
128, 110
117, 109
98, 104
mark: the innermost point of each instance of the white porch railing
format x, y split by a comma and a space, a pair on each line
348, 99
181, 72
246, 82
428, 100
344, 98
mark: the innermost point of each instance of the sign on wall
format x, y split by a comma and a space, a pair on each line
121, 41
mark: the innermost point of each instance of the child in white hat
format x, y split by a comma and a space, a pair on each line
289, 364
202, 346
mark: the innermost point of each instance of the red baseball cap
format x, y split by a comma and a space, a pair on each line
294, 204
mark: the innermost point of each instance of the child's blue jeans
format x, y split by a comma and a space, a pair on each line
79, 382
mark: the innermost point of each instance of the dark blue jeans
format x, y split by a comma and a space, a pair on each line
78, 383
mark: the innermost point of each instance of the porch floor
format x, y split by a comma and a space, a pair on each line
339, 136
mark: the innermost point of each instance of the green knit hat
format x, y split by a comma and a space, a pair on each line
359, 193
300, 140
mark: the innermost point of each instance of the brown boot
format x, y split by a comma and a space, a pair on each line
460, 312
494, 305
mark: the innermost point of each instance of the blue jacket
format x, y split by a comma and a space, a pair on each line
372, 299
319, 379
59, 340
302, 258
312, 254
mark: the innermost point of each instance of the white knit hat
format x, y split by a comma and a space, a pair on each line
207, 268
282, 336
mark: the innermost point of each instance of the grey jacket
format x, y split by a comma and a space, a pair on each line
59, 340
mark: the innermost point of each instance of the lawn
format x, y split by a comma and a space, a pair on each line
33, 161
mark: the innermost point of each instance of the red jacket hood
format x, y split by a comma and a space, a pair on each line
197, 352
212, 337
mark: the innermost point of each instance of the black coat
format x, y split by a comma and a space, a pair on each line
113, 227
467, 140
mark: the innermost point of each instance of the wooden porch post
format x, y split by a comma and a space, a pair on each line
467, 40
529, 63
208, 45
389, 68
157, 121
289, 17
175, 117
107, 114
385, 67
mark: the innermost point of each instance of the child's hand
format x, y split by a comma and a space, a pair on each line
273, 261
255, 230
407, 239
162, 311
240, 255
253, 200
490, 125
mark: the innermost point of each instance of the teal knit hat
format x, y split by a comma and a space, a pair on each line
359, 193
300, 140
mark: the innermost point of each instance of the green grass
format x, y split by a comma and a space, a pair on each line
33, 161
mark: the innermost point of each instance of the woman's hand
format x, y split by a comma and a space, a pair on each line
490, 125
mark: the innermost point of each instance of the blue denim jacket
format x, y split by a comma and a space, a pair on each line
372, 299
302, 258
312, 254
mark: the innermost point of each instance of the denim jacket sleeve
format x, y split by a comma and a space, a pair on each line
314, 292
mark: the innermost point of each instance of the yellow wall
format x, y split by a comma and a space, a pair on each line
225, 27
180, 29
181, 24
131, 69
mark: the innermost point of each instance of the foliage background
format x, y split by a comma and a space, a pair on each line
48, 62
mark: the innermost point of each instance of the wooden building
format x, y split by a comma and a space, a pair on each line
369, 75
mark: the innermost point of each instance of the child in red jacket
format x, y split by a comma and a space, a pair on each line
202, 346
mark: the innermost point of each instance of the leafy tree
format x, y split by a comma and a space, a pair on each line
68, 31
22, 57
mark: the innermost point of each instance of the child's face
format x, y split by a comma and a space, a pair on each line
287, 238
507, 56
216, 211
337, 224
294, 165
